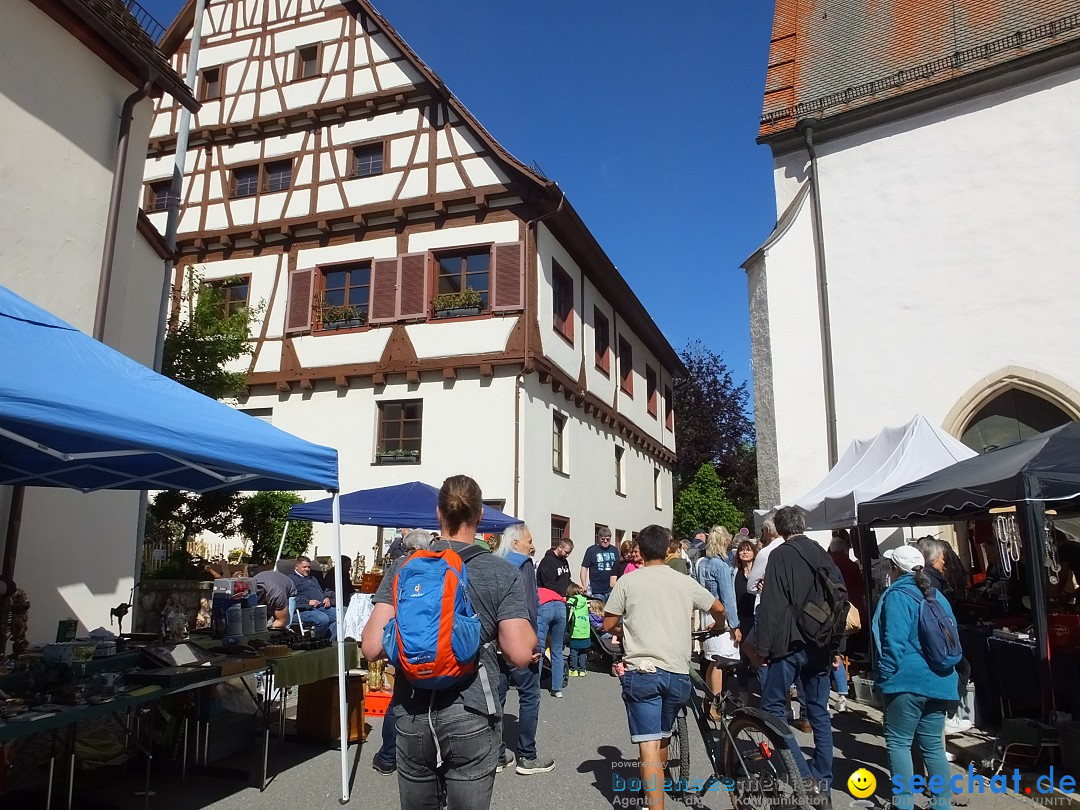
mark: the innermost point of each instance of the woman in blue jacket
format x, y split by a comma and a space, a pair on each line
717, 575
916, 696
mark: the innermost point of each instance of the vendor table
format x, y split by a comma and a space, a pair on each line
297, 668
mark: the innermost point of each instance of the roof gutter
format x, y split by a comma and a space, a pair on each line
123, 142
825, 322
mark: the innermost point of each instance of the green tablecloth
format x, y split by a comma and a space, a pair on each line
308, 666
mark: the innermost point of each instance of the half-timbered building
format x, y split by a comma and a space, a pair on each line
428, 304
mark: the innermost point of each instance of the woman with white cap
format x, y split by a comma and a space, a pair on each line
917, 695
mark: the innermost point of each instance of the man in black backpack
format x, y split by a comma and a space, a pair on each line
790, 640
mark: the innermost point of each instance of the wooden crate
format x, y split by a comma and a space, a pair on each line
317, 710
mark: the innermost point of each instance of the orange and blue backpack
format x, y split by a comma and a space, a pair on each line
434, 637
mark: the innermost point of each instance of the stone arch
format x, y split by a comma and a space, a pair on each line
1011, 378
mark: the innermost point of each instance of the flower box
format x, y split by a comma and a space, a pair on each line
396, 458
348, 323
457, 312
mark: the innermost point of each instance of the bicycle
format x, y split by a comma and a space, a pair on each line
749, 752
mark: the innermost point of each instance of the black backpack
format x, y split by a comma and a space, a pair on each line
823, 616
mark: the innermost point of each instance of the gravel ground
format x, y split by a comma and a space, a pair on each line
585, 732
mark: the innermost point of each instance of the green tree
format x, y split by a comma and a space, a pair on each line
712, 425
199, 345
262, 520
704, 504
202, 339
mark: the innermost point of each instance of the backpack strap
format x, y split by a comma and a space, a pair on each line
472, 552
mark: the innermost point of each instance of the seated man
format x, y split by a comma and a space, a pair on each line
274, 590
313, 604
652, 610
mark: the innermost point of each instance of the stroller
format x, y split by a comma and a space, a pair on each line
604, 652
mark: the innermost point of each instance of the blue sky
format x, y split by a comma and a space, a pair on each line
645, 115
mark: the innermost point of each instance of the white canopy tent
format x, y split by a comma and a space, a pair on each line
872, 467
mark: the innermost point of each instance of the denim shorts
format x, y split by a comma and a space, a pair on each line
653, 700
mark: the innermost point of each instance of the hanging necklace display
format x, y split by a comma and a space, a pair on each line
1052, 564
1008, 539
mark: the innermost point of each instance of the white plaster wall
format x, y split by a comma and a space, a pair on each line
489, 232
458, 339
950, 255
587, 494
76, 552
468, 428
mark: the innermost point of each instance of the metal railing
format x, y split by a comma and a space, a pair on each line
147, 20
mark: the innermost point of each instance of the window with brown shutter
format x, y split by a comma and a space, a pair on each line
602, 341
508, 277
626, 367
384, 291
650, 390
669, 409
345, 296
299, 306
413, 283
562, 302
558, 446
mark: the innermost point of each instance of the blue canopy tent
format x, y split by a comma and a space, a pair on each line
411, 505
77, 414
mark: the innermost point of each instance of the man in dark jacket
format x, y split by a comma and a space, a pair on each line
553, 572
776, 640
313, 602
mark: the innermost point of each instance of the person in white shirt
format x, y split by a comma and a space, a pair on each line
770, 541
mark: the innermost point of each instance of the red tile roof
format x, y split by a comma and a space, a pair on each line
831, 56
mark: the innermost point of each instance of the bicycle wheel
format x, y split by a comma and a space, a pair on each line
677, 770
763, 769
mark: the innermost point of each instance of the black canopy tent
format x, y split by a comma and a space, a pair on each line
1029, 475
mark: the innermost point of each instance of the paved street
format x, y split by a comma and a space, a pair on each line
585, 732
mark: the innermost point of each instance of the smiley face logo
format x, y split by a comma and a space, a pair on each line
861, 783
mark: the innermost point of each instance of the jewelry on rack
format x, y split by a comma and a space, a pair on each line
1053, 565
1008, 539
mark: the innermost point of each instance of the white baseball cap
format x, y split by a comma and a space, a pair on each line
906, 558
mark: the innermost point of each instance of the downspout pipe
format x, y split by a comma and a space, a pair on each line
127, 113
825, 320
530, 228
172, 223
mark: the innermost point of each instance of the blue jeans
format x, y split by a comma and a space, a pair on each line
322, 619
910, 718
809, 668
551, 630
469, 746
527, 683
653, 699
579, 659
839, 676
387, 755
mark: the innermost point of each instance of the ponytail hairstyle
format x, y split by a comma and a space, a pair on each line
460, 504
923, 581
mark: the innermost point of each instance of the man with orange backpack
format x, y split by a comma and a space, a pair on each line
445, 692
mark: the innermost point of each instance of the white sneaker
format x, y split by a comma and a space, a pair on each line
841, 703
556, 694
954, 725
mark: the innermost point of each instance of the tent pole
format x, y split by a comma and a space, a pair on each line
867, 545
1032, 521
281, 545
343, 706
